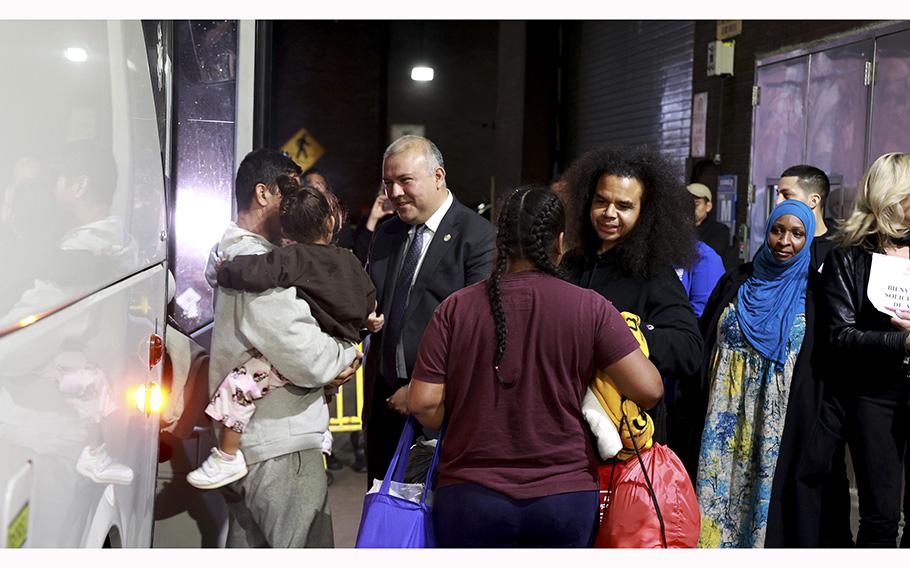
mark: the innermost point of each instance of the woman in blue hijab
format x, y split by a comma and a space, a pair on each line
754, 325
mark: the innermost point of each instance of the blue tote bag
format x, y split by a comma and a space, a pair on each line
389, 521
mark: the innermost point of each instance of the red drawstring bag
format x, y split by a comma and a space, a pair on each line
629, 518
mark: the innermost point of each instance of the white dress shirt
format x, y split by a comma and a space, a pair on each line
432, 225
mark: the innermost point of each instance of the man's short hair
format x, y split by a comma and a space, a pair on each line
261, 166
95, 161
408, 141
317, 172
810, 179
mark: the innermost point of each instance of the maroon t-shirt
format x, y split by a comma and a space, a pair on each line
528, 440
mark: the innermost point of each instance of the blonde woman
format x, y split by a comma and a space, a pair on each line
871, 348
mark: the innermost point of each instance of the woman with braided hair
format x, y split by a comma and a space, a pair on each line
506, 363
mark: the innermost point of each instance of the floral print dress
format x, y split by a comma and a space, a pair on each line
741, 440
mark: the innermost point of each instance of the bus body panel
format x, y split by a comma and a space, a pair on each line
83, 247
81, 180
69, 389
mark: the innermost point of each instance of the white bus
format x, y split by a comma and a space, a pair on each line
83, 253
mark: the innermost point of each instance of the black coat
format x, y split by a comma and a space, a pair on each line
793, 512
866, 343
460, 254
822, 245
668, 320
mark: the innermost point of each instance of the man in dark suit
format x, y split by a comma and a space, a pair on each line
433, 247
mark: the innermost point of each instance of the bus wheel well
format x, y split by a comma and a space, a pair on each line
113, 540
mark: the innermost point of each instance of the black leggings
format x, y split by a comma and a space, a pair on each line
472, 516
877, 439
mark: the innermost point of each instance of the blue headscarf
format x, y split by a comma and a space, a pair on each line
770, 299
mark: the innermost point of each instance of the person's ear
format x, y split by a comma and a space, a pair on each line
814, 200
80, 186
261, 194
560, 246
709, 205
440, 175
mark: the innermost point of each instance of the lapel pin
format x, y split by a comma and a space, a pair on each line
447, 238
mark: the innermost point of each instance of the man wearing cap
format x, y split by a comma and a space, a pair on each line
714, 234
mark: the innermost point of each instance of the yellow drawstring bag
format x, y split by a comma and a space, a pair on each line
638, 425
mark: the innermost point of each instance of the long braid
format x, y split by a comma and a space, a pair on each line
549, 217
494, 291
506, 244
528, 226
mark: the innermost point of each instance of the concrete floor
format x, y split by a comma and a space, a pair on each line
185, 519
188, 518
346, 494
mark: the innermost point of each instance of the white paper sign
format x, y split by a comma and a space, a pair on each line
889, 283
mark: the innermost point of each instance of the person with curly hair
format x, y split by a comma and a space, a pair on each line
630, 222
506, 362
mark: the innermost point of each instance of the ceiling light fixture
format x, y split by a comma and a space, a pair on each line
422, 74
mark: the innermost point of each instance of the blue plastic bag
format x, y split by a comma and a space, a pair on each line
393, 522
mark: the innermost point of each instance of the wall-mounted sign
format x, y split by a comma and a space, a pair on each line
725, 206
396, 131
699, 124
729, 28
303, 149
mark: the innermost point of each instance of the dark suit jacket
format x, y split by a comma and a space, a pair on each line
465, 258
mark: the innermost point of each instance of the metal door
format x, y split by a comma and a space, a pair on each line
778, 135
832, 108
836, 129
890, 129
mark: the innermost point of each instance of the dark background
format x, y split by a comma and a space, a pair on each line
515, 102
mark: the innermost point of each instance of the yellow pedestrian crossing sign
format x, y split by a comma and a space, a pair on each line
303, 149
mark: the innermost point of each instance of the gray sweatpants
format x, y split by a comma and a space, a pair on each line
281, 503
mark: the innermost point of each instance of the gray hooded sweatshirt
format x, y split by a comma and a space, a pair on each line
281, 327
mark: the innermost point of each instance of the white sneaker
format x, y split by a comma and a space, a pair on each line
216, 471
97, 465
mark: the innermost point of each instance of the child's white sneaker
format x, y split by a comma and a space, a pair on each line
97, 465
216, 471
